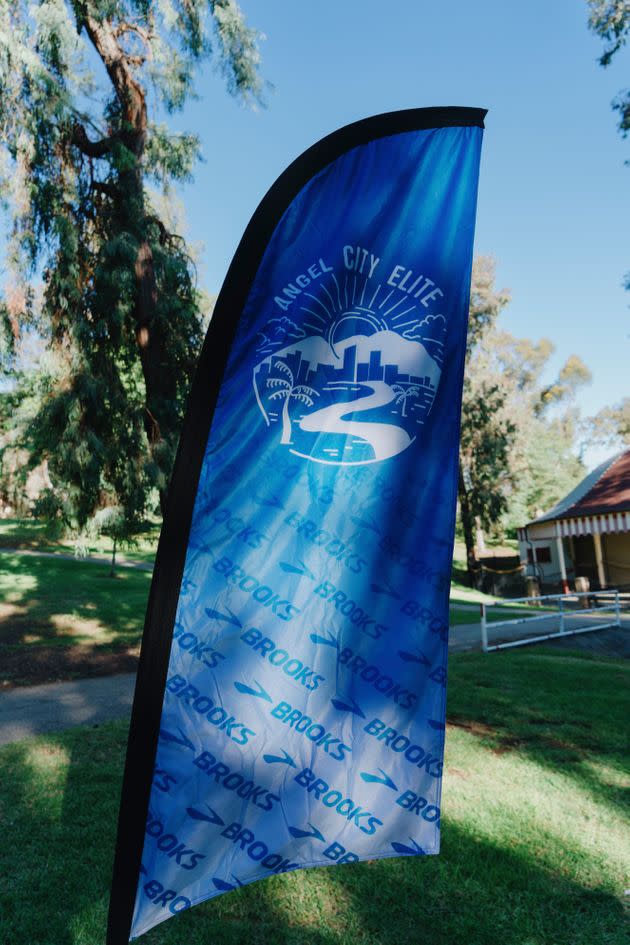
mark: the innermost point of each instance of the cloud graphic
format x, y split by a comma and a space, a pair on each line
283, 329
278, 331
433, 325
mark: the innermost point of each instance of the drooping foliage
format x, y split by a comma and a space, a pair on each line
85, 88
486, 434
610, 20
542, 463
518, 429
611, 425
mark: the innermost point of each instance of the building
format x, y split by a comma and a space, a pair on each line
586, 534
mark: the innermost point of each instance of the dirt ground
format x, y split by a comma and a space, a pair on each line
30, 666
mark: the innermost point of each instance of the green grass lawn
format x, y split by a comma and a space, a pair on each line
31, 535
59, 602
57, 616
535, 835
459, 615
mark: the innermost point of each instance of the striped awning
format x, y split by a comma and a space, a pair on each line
598, 505
611, 524
614, 523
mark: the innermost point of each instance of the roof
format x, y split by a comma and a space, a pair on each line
603, 491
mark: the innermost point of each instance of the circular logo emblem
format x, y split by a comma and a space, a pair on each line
355, 381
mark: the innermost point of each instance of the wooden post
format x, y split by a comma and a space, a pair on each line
484, 629
599, 558
563, 569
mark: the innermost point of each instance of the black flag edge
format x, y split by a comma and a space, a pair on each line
171, 553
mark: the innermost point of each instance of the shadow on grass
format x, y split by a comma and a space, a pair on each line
49, 605
58, 806
564, 711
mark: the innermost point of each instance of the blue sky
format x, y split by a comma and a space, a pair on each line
554, 199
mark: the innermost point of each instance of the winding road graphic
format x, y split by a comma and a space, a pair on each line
386, 439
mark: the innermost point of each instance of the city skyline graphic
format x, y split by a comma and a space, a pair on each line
349, 383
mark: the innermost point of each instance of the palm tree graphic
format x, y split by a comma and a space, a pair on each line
286, 388
403, 393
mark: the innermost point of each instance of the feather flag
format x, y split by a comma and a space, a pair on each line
290, 700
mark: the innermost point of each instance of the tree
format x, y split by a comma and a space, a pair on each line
485, 433
610, 20
543, 458
573, 374
611, 426
518, 432
110, 522
287, 390
542, 463
82, 83
484, 467
403, 394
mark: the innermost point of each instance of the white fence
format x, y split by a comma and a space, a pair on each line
565, 615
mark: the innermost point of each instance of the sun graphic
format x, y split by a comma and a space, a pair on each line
348, 304
352, 304
354, 323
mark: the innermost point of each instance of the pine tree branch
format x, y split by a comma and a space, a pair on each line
165, 236
135, 60
122, 28
128, 90
104, 188
93, 149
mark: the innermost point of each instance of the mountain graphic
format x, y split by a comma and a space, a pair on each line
411, 357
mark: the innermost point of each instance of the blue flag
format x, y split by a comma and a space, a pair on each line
290, 703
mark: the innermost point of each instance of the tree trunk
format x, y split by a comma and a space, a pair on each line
468, 524
160, 385
480, 538
286, 421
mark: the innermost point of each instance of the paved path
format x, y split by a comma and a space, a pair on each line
35, 710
